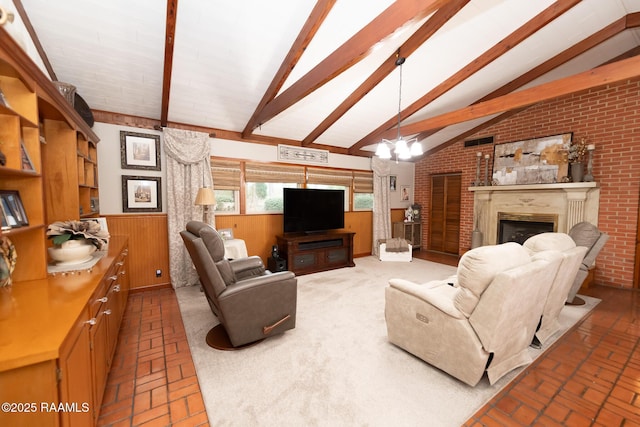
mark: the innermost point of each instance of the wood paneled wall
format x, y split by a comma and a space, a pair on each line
259, 231
149, 244
148, 247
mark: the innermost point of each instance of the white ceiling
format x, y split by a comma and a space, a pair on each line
226, 53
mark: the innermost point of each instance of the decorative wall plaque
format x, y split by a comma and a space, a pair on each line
301, 154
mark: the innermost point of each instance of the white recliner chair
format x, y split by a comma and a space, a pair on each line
585, 234
572, 257
484, 321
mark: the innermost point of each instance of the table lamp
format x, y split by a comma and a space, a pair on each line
205, 198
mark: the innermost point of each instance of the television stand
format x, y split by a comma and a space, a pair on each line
310, 253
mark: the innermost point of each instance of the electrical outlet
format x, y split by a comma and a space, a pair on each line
158, 273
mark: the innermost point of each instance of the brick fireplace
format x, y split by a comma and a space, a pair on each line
515, 212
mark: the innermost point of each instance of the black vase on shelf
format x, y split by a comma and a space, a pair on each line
577, 171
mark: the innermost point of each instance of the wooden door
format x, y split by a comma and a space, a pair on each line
444, 219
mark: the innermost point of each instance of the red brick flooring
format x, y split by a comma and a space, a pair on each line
153, 380
590, 377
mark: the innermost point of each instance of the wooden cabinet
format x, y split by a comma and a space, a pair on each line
74, 374
43, 139
309, 253
57, 341
410, 231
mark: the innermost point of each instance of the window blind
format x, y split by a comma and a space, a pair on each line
329, 176
225, 174
362, 182
264, 172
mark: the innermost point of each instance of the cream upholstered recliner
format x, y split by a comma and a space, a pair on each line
572, 256
585, 234
250, 302
484, 321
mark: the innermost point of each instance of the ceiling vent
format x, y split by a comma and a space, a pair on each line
478, 141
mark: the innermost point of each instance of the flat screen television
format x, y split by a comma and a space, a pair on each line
312, 210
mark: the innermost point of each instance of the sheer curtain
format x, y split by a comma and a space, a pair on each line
188, 169
381, 207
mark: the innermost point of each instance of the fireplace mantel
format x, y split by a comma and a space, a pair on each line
572, 202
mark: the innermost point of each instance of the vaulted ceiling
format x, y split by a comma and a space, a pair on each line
323, 73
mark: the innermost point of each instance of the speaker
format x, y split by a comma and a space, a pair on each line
277, 264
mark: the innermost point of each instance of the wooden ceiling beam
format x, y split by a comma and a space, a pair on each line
572, 52
308, 31
349, 53
34, 37
499, 49
433, 24
605, 74
169, 39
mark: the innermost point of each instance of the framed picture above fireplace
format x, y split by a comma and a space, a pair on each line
532, 161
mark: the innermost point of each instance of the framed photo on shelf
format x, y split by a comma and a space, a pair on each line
141, 194
12, 209
139, 151
27, 164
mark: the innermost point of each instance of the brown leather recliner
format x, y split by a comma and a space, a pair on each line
250, 302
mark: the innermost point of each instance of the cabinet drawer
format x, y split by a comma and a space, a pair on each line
304, 260
337, 255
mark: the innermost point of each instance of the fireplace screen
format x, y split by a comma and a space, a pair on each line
519, 227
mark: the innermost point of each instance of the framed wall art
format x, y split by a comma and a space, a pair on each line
405, 192
141, 194
532, 161
139, 151
393, 181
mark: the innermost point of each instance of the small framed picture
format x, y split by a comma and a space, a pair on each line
141, 194
12, 209
226, 233
393, 181
27, 164
139, 151
405, 192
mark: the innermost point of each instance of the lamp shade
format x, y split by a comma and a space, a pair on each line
205, 197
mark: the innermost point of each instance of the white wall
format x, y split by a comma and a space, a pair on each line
110, 172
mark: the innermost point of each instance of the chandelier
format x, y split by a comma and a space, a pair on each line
403, 149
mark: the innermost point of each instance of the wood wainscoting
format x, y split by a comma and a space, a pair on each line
149, 244
259, 231
148, 247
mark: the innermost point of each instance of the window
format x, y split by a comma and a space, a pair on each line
332, 179
362, 191
226, 186
264, 185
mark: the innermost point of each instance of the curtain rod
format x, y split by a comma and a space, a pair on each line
161, 129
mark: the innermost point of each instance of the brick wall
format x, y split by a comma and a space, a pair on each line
609, 117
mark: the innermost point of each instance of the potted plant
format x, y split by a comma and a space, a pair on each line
577, 152
74, 241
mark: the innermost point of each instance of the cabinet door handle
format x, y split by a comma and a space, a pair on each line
107, 311
112, 278
92, 321
123, 272
103, 299
116, 288
120, 263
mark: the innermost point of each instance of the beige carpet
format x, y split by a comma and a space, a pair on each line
336, 368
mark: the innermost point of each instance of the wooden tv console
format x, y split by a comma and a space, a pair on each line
310, 253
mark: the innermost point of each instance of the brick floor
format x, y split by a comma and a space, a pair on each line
152, 381
590, 377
